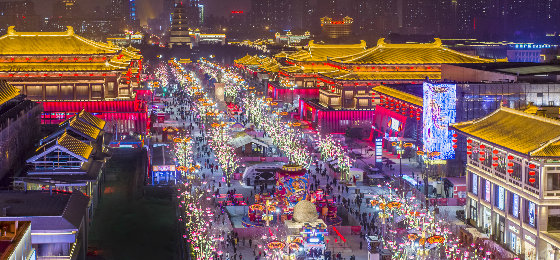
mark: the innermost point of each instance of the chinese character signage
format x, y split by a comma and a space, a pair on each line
378, 150
439, 111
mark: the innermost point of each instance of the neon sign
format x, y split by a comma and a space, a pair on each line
439, 111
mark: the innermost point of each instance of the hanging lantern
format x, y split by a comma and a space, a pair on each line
454, 140
532, 180
469, 141
510, 164
495, 158
469, 147
454, 146
510, 171
495, 164
481, 152
510, 157
469, 152
495, 151
455, 135
532, 173
532, 166
482, 146
481, 159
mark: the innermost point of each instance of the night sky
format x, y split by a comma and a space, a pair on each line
149, 8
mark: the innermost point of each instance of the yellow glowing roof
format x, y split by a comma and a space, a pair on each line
428, 53
62, 43
391, 92
281, 54
515, 130
84, 128
322, 52
7, 91
91, 119
58, 66
374, 75
74, 145
308, 69
249, 60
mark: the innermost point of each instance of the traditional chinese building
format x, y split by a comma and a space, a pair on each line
70, 159
66, 73
513, 180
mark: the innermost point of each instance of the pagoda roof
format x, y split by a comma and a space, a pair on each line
322, 52
417, 53
66, 143
7, 91
51, 43
59, 66
400, 95
517, 131
249, 60
375, 76
91, 119
308, 69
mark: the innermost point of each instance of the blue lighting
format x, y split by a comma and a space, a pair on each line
439, 111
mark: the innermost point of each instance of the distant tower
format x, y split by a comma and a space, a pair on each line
179, 34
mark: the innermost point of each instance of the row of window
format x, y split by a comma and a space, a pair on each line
502, 197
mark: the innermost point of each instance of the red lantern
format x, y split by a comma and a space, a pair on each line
495, 158
495, 164
510, 170
469, 152
481, 152
482, 146
510, 164
510, 157
532, 173
454, 140
532, 166
454, 146
469, 147
532, 180
469, 141
481, 159
455, 135
495, 151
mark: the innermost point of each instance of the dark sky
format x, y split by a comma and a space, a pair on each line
149, 8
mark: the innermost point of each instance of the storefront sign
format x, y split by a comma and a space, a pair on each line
513, 229
515, 207
379, 150
529, 239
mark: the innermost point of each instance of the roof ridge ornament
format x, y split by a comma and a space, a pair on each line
437, 42
381, 42
70, 30
11, 30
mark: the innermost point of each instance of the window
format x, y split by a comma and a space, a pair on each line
499, 197
531, 213
474, 184
487, 190
553, 181
514, 205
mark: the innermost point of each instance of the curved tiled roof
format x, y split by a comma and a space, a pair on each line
58, 67
7, 91
406, 97
61, 43
423, 53
322, 52
518, 131
91, 119
84, 128
74, 145
372, 75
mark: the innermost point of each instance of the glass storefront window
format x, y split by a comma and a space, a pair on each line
499, 197
531, 213
474, 184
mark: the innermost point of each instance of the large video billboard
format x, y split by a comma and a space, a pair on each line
439, 111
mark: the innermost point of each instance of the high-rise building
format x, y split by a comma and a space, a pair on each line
179, 34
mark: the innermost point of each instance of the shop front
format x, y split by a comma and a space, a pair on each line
485, 222
530, 250
514, 239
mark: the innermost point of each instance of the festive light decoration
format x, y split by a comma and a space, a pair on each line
331, 149
289, 140
439, 112
219, 142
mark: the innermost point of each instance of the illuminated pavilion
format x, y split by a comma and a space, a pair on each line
67, 73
